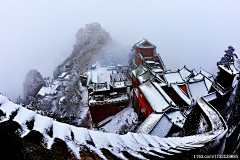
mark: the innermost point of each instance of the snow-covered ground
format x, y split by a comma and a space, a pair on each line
121, 122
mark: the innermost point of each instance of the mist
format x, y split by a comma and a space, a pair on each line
41, 34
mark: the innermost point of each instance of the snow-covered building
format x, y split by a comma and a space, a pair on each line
139, 70
163, 125
180, 95
107, 90
152, 98
50, 90
157, 93
146, 55
186, 73
230, 69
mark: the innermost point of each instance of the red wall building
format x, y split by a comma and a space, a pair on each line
100, 112
144, 105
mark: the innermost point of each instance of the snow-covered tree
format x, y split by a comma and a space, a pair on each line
228, 56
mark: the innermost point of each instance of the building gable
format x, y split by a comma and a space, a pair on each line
145, 44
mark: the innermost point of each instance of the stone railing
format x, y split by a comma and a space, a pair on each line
130, 145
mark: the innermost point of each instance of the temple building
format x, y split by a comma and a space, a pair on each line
109, 89
146, 55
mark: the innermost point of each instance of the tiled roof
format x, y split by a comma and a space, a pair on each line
141, 44
181, 93
197, 77
139, 70
162, 128
205, 73
198, 89
148, 75
149, 123
119, 77
185, 73
156, 97
173, 77
164, 94
230, 68
208, 83
177, 118
157, 70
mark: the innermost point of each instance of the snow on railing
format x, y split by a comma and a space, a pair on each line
139, 146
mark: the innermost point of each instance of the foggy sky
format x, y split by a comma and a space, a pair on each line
40, 34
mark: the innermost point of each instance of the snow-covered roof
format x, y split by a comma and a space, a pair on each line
157, 70
181, 93
208, 83
149, 123
52, 89
150, 62
220, 89
205, 73
197, 77
210, 97
122, 98
148, 75
94, 77
100, 74
230, 68
144, 43
161, 61
173, 77
119, 85
139, 70
119, 77
101, 86
198, 89
177, 118
156, 96
194, 72
162, 128
164, 94
185, 73
44, 91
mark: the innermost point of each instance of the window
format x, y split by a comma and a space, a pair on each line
96, 108
146, 102
108, 107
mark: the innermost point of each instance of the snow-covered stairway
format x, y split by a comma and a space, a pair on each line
134, 145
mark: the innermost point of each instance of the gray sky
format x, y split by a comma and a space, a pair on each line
40, 34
